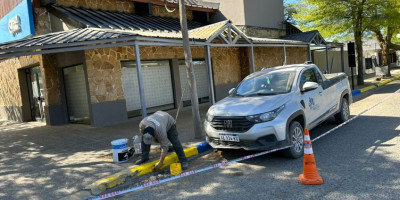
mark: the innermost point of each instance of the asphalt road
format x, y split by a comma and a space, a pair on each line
358, 161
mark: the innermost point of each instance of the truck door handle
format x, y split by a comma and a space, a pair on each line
320, 93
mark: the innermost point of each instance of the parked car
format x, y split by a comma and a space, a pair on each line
270, 108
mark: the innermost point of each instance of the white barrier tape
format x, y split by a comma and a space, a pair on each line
355, 117
157, 182
307, 137
308, 148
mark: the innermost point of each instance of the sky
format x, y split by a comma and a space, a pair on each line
290, 1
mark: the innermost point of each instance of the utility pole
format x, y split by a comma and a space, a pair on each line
190, 72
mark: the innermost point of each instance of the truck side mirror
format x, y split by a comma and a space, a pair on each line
309, 86
231, 91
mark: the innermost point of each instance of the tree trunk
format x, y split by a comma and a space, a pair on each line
387, 49
359, 56
358, 33
190, 73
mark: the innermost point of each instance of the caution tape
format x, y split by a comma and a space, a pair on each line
184, 174
192, 172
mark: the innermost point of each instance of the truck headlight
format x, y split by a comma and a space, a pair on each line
209, 117
264, 117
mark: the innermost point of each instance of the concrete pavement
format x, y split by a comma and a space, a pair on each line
50, 162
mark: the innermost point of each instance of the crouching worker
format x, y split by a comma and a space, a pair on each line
160, 127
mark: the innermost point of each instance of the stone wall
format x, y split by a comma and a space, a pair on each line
42, 21
51, 82
261, 32
119, 6
10, 88
162, 12
104, 67
9, 83
110, 5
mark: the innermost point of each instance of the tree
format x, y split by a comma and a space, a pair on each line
384, 22
337, 19
290, 10
190, 71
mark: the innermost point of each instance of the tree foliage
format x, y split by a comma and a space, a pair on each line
342, 20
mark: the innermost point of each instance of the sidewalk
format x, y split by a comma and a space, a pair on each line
371, 79
50, 162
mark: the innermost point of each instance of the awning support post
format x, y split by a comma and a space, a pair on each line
140, 81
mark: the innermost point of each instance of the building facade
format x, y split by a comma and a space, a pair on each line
101, 62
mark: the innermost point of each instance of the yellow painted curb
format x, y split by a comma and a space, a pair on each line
368, 88
108, 182
173, 158
118, 178
385, 82
397, 77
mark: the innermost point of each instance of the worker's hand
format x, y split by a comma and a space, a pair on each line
158, 165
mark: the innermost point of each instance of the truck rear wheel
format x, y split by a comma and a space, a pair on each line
296, 140
344, 113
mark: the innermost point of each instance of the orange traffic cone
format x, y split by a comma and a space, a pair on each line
310, 174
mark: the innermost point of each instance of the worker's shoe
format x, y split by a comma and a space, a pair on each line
141, 161
184, 165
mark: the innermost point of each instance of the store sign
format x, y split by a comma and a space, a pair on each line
18, 23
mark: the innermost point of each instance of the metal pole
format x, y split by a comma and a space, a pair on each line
253, 69
309, 52
284, 54
327, 61
210, 74
140, 81
342, 57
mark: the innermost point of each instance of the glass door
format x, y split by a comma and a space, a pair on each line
36, 93
76, 94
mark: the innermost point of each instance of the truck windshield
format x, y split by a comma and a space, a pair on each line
271, 83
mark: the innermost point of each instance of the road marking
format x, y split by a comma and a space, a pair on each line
189, 173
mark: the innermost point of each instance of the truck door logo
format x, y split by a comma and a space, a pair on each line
228, 123
312, 104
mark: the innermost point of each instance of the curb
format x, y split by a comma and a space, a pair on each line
356, 92
118, 178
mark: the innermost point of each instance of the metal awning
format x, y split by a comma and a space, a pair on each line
311, 37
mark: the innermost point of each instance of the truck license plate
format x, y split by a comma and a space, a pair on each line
229, 137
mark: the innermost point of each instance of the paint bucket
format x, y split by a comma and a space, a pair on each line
175, 169
120, 150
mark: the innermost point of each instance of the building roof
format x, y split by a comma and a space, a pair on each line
66, 38
275, 41
124, 21
307, 37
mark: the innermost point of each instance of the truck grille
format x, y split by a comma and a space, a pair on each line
233, 124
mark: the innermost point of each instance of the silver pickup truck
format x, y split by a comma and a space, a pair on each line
270, 108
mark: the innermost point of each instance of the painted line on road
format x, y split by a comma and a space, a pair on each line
189, 173
355, 117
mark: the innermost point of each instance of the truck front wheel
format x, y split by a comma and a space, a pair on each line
296, 140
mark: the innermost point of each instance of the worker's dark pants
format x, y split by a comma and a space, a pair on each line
172, 135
